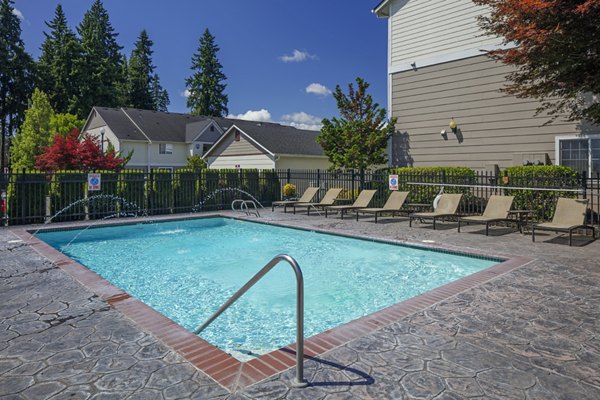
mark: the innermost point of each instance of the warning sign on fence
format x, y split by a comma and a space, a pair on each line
393, 182
94, 181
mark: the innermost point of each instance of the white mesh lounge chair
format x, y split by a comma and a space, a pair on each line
362, 201
447, 207
569, 215
306, 197
328, 200
392, 206
496, 210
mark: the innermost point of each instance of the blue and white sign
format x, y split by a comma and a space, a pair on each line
393, 182
94, 182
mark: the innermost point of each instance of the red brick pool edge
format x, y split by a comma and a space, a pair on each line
226, 370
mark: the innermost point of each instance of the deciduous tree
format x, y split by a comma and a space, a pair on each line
74, 152
555, 48
206, 90
35, 132
359, 137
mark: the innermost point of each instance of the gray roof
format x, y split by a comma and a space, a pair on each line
282, 139
154, 125
136, 124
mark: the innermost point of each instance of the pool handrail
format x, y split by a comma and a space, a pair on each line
299, 382
244, 207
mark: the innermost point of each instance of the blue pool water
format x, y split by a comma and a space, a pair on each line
188, 269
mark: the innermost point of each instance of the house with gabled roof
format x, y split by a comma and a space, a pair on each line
261, 145
165, 140
157, 139
446, 94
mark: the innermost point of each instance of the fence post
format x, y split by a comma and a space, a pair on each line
584, 184
319, 178
288, 176
352, 186
362, 180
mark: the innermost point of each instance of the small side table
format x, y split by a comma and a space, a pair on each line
521, 216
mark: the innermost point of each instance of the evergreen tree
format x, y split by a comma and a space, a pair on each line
205, 87
358, 138
160, 97
122, 84
56, 65
141, 73
35, 132
100, 68
16, 76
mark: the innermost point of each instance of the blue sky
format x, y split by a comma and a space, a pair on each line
281, 58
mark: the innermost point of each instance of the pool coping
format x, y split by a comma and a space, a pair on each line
223, 368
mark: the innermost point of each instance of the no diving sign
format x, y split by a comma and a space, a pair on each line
94, 182
393, 181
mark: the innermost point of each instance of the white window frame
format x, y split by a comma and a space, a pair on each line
165, 148
557, 151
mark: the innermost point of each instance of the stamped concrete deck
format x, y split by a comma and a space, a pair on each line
532, 333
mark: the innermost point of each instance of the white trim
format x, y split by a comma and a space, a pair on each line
136, 125
588, 137
300, 156
378, 9
227, 133
87, 121
213, 123
442, 58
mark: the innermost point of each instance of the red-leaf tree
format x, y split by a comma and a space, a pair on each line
557, 52
80, 153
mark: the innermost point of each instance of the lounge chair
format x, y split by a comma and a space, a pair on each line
306, 197
569, 215
362, 201
496, 210
393, 205
328, 200
447, 207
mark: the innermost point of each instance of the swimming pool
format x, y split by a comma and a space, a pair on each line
187, 269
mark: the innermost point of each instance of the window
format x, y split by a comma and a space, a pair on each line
165, 148
580, 153
205, 148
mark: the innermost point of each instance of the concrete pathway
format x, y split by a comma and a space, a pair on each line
533, 333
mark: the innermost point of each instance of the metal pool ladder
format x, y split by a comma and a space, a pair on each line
244, 207
299, 381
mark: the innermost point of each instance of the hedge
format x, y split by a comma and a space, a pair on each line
540, 176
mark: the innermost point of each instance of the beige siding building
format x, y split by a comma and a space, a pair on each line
437, 70
266, 146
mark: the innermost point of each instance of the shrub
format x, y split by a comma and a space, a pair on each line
425, 194
185, 189
542, 202
26, 196
289, 190
160, 194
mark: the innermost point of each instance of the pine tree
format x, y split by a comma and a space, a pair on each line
100, 66
141, 73
160, 96
56, 65
35, 132
16, 76
205, 87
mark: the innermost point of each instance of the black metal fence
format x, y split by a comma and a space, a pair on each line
36, 197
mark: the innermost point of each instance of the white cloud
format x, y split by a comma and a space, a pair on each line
318, 89
297, 56
261, 115
186, 93
302, 120
18, 13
